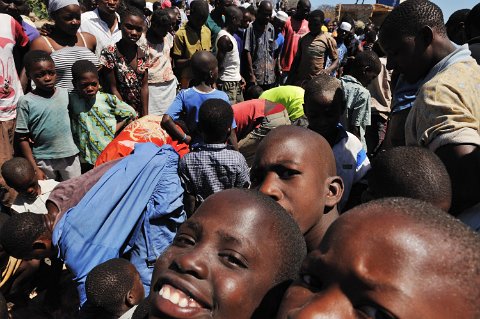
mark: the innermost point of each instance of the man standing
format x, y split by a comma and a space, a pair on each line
261, 48
295, 28
215, 20
103, 23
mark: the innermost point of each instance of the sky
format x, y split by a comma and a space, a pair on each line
448, 6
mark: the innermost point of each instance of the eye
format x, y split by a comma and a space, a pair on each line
286, 173
373, 312
311, 281
183, 240
234, 259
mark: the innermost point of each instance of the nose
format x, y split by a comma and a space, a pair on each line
193, 263
329, 304
270, 188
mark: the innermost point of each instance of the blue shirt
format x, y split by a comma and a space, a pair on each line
187, 105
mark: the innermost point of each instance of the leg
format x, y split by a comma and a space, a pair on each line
48, 167
69, 167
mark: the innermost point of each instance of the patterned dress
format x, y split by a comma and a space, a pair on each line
94, 122
129, 80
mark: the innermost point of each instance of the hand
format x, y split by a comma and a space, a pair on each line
243, 84
188, 140
40, 174
46, 29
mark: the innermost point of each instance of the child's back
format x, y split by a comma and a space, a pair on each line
211, 166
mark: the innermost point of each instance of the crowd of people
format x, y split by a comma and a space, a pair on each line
238, 160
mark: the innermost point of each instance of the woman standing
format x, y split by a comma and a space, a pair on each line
64, 43
126, 63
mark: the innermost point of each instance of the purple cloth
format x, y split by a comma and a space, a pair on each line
32, 33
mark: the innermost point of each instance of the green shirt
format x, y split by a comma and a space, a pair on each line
289, 96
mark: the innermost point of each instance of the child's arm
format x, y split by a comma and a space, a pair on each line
23, 141
144, 94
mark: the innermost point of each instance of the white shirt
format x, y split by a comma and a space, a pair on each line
93, 24
129, 313
25, 204
231, 62
352, 163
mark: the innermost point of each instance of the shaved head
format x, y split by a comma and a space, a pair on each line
203, 63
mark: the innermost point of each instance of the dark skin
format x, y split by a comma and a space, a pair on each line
204, 67
43, 74
264, 15
214, 259
390, 271
132, 29
303, 9
219, 11
288, 167
414, 57
107, 10
13, 8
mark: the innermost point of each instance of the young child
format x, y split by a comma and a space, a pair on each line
162, 83
296, 167
412, 172
192, 37
313, 50
390, 258
32, 196
42, 118
324, 105
114, 289
187, 104
96, 117
365, 67
211, 167
233, 257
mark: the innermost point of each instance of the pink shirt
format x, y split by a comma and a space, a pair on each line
292, 32
11, 34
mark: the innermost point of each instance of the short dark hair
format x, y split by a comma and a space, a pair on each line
411, 16
202, 64
215, 118
17, 170
322, 84
462, 245
33, 57
231, 12
253, 92
199, 7
367, 59
457, 17
81, 67
20, 232
317, 14
412, 172
132, 11
108, 283
473, 20
160, 17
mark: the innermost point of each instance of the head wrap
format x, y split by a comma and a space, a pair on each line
54, 5
166, 4
282, 16
345, 26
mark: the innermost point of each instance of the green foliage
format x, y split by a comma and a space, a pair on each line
39, 8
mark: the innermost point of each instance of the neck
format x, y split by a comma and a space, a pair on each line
204, 87
44, 93
440, 50
127, 45
314, 235
259, 26
108, 18
230, 29
198, 30
154, 38
63, 38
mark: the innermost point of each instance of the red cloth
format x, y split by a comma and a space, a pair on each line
292, 32
249, 115
145, 129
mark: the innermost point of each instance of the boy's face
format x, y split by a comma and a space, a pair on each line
132, 28
286, 170
323, 112
137, 291
385, 272
406, 55
43, 74
29, 187
87, 85
221, 263
247, 19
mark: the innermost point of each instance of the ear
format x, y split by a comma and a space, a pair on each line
335, 191
130, 299
427, 35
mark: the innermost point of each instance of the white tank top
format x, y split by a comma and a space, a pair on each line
231, 63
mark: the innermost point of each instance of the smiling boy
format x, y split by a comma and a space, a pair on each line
408, 259
296, 167
238, 247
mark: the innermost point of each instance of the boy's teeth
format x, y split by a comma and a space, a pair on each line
177, 297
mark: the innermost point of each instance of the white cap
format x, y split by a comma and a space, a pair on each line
282, 16
345, 26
